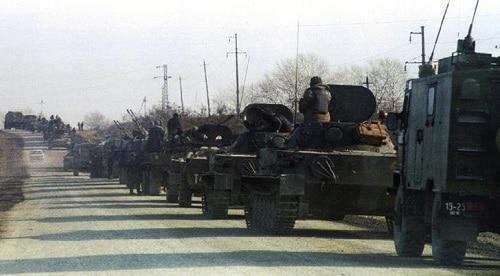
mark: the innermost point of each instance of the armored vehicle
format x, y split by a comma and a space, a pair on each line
13, 120
326, 170
185, 170
267, 124
29, 122
449, 136
81, 157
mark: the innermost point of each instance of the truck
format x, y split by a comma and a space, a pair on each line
448, 181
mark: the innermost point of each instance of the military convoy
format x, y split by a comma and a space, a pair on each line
441, 180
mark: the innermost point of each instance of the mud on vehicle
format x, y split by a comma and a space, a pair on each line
329, 170
449, 136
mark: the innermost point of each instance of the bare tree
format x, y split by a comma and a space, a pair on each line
96, 121
278, 86
387, 81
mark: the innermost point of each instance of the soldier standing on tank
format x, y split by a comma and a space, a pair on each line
156, 134
316, 101
314, 104
174, 126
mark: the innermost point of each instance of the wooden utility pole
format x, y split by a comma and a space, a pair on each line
182, 99
236, 53
206, 86
367, 82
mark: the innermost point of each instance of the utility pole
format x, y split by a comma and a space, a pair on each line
206, 86
236, 53
182, 99
367, 82
164, 89
422, 35
295, 100
41, 107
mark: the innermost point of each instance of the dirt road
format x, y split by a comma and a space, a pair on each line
70, 224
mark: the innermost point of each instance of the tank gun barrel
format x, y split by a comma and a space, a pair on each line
136, 122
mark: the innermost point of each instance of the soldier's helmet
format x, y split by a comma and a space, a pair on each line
315, 81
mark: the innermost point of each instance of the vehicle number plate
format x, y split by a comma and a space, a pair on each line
455, 208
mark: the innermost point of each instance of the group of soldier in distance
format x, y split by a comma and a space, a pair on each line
440, 181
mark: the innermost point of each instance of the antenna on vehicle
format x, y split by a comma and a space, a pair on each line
439, 32
468, 44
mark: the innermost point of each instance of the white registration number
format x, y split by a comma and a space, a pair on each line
455, 208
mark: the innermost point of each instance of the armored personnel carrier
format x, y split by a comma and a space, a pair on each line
449, 140
185, 170
267, 125
81, 157
327, 170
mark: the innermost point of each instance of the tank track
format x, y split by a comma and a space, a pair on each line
271, 214
215, 203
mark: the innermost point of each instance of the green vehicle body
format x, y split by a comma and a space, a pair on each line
449, 179
323, 179
81, 155
223, 183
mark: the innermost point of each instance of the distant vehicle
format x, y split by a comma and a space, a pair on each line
29, 122
37, 155
13, 119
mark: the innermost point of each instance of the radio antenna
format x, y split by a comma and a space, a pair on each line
473, 17
439, 31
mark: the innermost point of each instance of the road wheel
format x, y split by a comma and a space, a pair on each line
215, 203
76, 172
271, 214
172, 193
409, 225
185, 197
155, 177
445, 252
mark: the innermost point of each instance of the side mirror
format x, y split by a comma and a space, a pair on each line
392, 121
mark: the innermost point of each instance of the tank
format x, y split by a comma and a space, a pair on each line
449, 136
13, 120
191, 161
326, 170
266, 124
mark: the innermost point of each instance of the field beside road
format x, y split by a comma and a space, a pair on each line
69, 224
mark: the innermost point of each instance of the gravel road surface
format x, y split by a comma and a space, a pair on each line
78, 225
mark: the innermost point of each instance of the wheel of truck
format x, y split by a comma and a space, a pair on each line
172, 193
76, 172
409, 228
185, 197
271, 214
215, 203
444, 252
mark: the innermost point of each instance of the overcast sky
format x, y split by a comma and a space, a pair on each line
83, 56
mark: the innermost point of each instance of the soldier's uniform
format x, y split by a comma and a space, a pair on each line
174, 126
315, 102
156, 134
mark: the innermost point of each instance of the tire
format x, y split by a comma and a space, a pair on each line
445, 252
409, 228
271, 214
215, 203
76, 172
